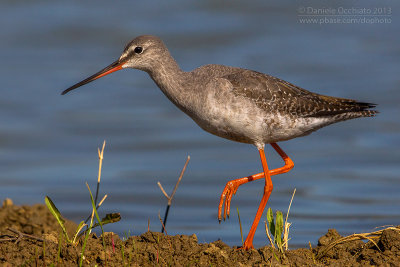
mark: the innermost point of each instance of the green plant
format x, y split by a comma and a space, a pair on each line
277, 231
123, 254
44, 252
56, 213
240, 225
126, 235
60, 239
109, 218
85, 240
276, 228
99, 222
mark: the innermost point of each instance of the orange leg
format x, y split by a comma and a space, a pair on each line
248, 243
232, 186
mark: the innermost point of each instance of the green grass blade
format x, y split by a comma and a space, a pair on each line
59, 248
56, 213
98, 219
87, 232
279, 229
271, 223
44, 252
78, 230
276, 256
123, 255
95, 210
109, 218
84, 243
240, 225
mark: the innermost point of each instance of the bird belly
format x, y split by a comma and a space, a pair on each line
243, 123
286, 127
230, 119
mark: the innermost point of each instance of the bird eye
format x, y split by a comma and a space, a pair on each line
138, 49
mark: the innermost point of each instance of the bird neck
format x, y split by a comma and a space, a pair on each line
171, 80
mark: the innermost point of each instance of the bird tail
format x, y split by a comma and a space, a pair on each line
353, 109
344, 106
364, 109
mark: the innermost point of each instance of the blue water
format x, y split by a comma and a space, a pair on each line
346, 175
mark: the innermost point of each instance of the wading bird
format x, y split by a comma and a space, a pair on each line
237, 104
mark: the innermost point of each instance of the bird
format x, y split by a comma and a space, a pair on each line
238, 104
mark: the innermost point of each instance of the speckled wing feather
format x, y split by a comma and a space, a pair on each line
276, 95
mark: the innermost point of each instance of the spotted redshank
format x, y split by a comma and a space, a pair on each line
237, 104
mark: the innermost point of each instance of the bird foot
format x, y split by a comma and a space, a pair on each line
246, 246
226, 197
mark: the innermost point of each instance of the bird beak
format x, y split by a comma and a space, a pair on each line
117, 65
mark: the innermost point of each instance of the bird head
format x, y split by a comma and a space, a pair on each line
145, 52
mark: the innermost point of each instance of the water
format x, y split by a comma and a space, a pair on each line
346, 175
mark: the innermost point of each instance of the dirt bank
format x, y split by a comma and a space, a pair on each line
156, 249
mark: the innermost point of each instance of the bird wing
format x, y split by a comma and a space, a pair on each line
273, 94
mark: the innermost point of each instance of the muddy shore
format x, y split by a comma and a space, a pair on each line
44, 247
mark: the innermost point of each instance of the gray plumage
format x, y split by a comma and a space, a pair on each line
238, 104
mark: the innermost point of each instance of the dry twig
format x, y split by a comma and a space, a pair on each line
373, 236
268, 235
19, 237
101, 156
287, 225
172, 195
162, 223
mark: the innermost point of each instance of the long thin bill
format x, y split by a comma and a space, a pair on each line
117, 65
